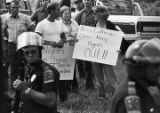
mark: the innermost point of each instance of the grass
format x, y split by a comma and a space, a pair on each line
87, 101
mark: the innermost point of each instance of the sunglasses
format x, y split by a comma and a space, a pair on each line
33, 52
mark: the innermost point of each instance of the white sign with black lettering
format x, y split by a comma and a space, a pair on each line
61, 58
97, 45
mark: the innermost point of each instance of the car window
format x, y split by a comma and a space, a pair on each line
127, 28
149, 27
136, 10
117, 7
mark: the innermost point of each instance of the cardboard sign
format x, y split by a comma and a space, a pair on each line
97, 45
61, 59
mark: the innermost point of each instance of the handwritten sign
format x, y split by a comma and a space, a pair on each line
97, 45
61, 59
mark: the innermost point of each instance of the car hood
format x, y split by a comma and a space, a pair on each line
123, 18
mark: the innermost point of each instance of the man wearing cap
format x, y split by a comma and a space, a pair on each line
40, 84
142, 61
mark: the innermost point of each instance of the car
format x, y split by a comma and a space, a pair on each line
137, 27
24, 7
127, 15
127, 24
148, 27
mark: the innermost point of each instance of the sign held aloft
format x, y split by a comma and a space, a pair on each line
98, 45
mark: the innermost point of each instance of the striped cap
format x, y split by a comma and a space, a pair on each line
29, 39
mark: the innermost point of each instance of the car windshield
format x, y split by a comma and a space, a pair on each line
117, 6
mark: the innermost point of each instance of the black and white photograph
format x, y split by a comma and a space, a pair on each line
80, 56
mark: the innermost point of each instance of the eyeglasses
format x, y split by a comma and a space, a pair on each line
33, 52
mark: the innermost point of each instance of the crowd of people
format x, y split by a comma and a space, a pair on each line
37, 83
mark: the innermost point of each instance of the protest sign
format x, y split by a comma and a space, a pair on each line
61, 58
97, 45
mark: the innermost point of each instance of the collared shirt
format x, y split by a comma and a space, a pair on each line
16, 26
39, 15
86, 18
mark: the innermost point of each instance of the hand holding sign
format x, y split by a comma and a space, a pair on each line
98, 45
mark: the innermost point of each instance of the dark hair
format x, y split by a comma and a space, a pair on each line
52, 7
100, 9
63, 9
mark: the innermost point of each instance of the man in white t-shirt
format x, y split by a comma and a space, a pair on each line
51, 29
